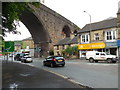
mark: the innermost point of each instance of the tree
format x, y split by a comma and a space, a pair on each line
11, 12
70, 51
51, 52
75, 50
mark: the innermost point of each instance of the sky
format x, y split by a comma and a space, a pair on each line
73, 11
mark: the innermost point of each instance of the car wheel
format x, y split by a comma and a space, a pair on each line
63, 65
51, 65
96, 61
109, 60
113, 61
91, 60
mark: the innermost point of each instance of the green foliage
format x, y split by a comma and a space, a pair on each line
68, 50
75, 49
71, 50
51, 52
11, 11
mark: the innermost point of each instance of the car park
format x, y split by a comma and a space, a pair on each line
95, 56
53, 61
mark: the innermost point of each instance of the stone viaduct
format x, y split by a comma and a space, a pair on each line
46, 27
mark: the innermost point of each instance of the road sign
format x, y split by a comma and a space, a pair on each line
9, 46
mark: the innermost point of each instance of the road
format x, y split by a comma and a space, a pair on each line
17, 76
95, 75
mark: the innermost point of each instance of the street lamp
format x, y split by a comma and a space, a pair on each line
90, 23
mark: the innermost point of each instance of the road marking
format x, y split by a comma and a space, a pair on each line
25, 75
101, 64
13, 86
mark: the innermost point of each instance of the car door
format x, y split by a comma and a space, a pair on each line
49, 60
17, 57
102, 56
97, 56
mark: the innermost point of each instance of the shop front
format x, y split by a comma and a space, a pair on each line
112, 48
83, 48
118, 43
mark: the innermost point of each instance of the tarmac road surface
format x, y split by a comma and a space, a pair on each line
16, 75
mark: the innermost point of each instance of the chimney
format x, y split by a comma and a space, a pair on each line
118, 4
118, 8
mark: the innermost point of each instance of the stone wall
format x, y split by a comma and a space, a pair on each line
101, 35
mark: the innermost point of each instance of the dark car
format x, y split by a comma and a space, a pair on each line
54, 61
19, 56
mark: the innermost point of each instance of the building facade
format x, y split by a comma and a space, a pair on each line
28, 43
118, 25
64, 43
102, 37
17, 46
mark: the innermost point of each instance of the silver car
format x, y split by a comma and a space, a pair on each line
26, 58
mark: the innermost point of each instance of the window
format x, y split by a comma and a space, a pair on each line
110, 35
102, 54
96, 37
97, 53
85, 38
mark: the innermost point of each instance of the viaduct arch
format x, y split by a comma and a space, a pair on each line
46, 26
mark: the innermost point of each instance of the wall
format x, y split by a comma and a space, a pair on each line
29, 43
101, 35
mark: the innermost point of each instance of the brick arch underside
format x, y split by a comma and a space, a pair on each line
39, 34
37, 30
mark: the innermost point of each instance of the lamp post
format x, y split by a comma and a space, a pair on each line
90, 24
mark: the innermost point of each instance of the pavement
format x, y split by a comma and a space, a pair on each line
22, 76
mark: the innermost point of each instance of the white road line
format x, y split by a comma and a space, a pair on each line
101, 64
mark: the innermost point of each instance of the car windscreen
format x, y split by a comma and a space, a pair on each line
108, 53
22, 54
59, 58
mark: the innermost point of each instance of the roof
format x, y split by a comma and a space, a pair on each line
67, 41
108, 23
64, 41
29, 38
74, 40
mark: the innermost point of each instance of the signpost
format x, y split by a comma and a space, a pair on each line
9, 47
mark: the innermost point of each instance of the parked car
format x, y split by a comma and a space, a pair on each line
95, 56
18, 56
54, 61
11, 54
26, 58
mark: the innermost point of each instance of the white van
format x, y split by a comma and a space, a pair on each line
95, 56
